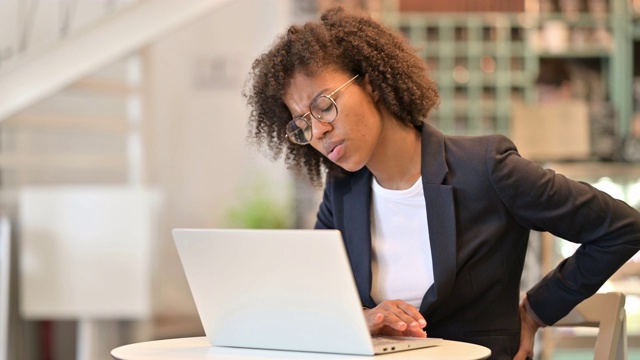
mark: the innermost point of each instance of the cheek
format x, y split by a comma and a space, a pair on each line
369, 124
365, 131
359, 126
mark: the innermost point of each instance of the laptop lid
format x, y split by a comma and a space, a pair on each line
274, 289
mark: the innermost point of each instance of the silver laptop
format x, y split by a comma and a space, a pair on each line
279, 289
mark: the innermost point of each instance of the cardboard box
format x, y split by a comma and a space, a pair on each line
554, 131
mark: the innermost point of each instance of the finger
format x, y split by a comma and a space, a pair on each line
527, 336
400, 316
393, 320
411, 311
414, 333
386, 316
375, 320
408, 314
522, 355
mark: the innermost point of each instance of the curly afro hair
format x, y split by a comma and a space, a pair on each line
341, 42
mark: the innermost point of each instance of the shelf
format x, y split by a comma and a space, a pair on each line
580, 19
503, 51
576, 53
481, 63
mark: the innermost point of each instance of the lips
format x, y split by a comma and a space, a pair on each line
334, 150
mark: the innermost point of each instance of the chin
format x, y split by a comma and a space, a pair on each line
349, 166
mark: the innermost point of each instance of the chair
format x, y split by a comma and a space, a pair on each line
5, 266
606, 312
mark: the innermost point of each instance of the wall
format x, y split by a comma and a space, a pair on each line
197, 127
193, 128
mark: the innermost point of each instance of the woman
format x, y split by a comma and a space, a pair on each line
435, 227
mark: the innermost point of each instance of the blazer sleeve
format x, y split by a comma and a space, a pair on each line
539, 199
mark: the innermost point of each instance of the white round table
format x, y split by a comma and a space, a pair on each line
199, 348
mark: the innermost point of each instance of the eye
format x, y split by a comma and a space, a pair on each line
325, 105
324, 109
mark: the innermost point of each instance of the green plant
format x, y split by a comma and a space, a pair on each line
260, 209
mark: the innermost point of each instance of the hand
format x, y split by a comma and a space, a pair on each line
395, 318
528, 329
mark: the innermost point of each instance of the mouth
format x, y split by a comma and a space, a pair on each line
334, 150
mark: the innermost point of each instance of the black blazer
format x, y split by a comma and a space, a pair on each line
482, 200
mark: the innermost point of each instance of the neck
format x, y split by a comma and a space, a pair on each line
396, 162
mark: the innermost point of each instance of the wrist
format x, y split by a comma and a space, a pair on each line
535, 320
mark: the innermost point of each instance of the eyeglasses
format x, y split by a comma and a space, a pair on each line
323, 108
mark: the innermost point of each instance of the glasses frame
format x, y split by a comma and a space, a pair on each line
319, 118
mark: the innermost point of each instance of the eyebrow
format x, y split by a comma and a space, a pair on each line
318, 94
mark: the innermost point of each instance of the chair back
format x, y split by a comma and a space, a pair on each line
5, 280
605, 311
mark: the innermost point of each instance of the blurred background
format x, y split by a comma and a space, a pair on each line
123, 119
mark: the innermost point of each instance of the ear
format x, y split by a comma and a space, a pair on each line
370, 89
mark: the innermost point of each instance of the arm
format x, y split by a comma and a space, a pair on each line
539, 199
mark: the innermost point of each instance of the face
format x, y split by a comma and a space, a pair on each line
351, 139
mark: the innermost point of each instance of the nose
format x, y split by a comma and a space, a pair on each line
319, 128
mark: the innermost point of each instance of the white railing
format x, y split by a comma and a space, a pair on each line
80, 54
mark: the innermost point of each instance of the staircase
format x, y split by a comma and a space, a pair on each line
37, 73
73, 89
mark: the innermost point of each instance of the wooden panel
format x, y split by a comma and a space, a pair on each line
462, 5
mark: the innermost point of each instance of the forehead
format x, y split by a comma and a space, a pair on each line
304, 86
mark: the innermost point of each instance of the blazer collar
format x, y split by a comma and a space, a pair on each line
434, 166
357, 227
440, 217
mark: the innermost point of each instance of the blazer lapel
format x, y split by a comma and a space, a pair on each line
440, 217
357, 232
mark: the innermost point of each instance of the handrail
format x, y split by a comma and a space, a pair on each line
82, 54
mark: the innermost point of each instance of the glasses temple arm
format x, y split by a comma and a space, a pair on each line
343, 85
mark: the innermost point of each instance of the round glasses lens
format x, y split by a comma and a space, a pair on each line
324, 109
299, 131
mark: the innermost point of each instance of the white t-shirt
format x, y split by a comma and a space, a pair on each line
402, 266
